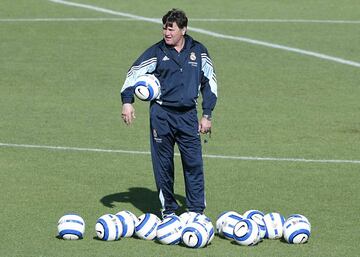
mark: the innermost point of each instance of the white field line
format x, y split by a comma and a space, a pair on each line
228, 157
191, 19
217, 35
277, 21
64, 19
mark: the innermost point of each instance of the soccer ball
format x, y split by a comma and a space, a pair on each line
298, 216
146, 226
203, 219
246, 232
169, 230
221, 220
227, 230
71, 227
188, 217
128, 220
274, 225
194, 235
147, 87
297, 230
108, 227
258, 217
253, 214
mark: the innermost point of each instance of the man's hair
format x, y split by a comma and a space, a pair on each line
175, 15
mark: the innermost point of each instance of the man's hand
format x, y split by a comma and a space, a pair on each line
128, 113
204, 125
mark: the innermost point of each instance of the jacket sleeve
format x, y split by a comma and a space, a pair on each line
146, 63
208, 84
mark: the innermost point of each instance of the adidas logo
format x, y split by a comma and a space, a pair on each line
165, 58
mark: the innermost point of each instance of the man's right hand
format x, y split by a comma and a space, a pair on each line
128, 113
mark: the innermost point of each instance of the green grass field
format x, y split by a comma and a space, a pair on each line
60, 81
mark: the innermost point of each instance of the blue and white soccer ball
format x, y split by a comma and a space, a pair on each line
108, 227
146, 226
195, 235
128, 220
201, 218
206, 221
250, 214
258, 217
147, 87
298, 216
221, 220
227, 229
297, 230
246, 232
71, 227
169, 230
188, 217
274, 225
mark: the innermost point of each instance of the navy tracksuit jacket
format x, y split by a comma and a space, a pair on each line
173, 115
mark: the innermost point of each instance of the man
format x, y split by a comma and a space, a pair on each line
185, 70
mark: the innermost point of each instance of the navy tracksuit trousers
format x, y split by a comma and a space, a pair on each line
169, 126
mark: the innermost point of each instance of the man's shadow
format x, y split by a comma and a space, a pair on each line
141, 198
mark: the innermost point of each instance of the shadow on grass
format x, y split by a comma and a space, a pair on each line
144, 199
60, 238
282, 240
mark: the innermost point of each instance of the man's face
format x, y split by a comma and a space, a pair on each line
172, 34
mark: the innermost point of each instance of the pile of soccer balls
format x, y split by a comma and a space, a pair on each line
191, 229
254, 226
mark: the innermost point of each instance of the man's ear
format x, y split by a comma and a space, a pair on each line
184, 31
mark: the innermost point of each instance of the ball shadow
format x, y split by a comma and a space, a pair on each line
60, 238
